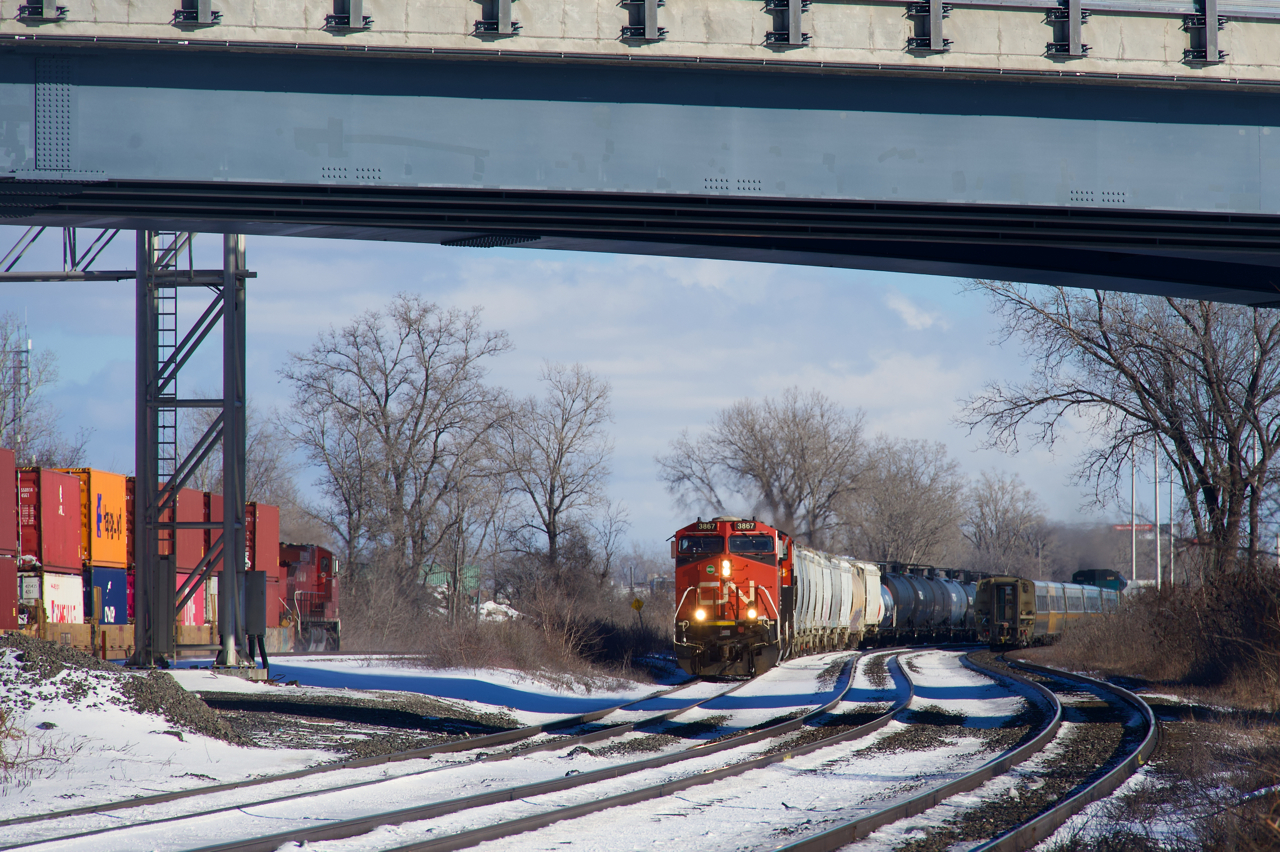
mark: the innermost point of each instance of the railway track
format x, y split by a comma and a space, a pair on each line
111, 837
514, 808
571, 730
1134, 749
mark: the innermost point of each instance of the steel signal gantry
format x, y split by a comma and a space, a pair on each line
164, 270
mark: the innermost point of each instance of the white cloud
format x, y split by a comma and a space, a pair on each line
914, 316
678, 338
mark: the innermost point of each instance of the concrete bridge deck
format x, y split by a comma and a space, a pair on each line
1133, 167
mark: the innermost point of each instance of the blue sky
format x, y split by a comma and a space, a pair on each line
677, 338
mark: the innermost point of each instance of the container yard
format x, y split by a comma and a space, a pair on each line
67, 566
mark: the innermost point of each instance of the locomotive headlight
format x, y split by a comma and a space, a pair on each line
726, 567
751, 613
700, 614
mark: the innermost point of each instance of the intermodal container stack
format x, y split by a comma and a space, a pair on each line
103, 542
66, 563
8, 541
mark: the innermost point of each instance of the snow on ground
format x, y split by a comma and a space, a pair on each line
942, 682
124, 753
527, 697
102, 750
759, 809
767, 696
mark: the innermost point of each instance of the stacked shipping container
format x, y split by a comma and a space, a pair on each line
66, 559
8, 541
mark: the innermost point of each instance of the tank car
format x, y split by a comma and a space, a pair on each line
924, 604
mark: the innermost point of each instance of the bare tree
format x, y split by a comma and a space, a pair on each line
910, 508
1200, 380
558, 454
1005, 525
270, 469
795, 460
390, 408
269, 466
28, 423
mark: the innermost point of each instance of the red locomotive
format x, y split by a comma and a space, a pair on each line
733, 593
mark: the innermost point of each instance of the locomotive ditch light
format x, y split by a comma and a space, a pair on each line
700, 614
751, 613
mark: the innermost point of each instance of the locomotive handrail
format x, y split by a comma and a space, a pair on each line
362, 825
1031, 833
499, 738
843, 835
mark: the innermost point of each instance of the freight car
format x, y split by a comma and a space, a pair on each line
311, 589
1012, 611
924, 604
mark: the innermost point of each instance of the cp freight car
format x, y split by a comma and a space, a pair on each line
1019, 612
747, 596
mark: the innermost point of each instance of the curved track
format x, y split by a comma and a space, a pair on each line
568, 724
1029, 833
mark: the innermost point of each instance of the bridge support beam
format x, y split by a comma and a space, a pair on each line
163, 464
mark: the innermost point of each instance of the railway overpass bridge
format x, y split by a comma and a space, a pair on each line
1112, 143
1122, 144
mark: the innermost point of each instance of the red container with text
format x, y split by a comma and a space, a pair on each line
49, 517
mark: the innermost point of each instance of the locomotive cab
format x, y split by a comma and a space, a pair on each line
729, 575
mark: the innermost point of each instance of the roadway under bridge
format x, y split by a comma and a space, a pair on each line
1111, 143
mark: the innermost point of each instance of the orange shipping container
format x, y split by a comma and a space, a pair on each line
103, 539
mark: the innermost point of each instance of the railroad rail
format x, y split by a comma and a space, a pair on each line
734, 739
1032, 832
515, 735
1038, 828
446, 807
362, 825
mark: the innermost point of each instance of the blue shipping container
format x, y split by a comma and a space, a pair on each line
114, 592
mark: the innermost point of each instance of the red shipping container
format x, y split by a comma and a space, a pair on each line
8, 593
262, 553
193, 612
8, 506
190, 542
262, 537
213, 514
49, 515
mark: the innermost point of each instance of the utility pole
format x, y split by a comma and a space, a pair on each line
1155, 487
1133, 515
1172, 544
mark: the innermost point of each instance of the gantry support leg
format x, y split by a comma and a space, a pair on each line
161, 469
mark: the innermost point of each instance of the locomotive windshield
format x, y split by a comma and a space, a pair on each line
761, 548
700, 545
751, 544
